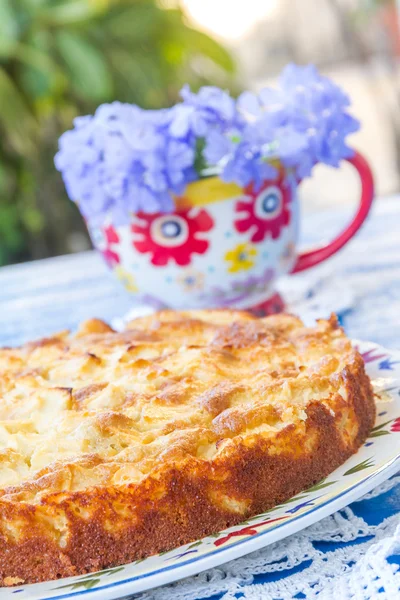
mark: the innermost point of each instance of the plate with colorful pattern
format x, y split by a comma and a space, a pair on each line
377, 460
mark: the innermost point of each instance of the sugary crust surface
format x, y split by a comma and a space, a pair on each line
115, 446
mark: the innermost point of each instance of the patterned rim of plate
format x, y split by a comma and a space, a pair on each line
375, 462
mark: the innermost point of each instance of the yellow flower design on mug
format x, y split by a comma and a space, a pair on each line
126, 278
241, 257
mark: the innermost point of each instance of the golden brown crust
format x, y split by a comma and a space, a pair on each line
183, 425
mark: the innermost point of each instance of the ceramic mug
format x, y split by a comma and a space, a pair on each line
223, 246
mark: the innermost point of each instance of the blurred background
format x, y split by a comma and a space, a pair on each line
61, 58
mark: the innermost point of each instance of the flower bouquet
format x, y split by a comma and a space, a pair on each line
186, 202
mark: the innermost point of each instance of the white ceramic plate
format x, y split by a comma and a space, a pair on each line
377, 460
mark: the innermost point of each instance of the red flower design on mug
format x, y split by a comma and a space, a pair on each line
395, 425
111, 237
174, 236
264, 212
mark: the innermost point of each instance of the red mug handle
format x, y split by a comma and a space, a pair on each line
313, 257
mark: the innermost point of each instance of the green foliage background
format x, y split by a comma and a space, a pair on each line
61, 58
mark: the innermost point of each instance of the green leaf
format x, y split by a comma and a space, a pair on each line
16, 120
195, 544
33, 219
35, 83
90, 580
10, 231
135, 24
365, 464
294, 499
381, 426
7, 178
200, 43
90, 75
320, 486
38, 73
141, 77
110, 571
266, 513
9, 30
390, 389
200, 163
91, 583
86, 584
70, 12
378, 433
316, 487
